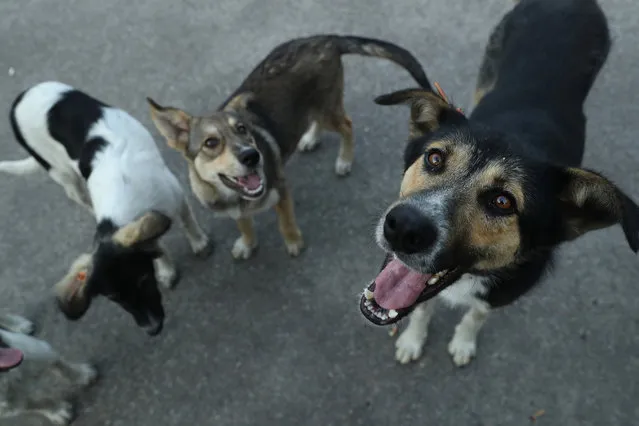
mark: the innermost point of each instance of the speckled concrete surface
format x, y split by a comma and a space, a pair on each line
280, 341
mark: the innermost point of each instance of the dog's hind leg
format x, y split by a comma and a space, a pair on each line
463, 345
410, 343
344, 126
334, 118
74, 187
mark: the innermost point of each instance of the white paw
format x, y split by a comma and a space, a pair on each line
308, 143
409, 346
87, 373
61, 416
309, 140
342, 167
20, 324
167, 277
462, 349
294, 248
202, 247
241, 250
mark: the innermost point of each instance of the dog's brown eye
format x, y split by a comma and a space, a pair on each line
241, 129
435, 159
503, 202
211, 142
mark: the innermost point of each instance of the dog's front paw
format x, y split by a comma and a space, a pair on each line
19, 324
343, 167
87, 374
310, 139
168, 277
60, 416
308, 143
462, 349
409, 346
242, 250
202, 248
294, 247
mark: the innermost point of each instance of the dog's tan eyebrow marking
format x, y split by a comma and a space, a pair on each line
231, 120
210, 129
416, 178
498, 173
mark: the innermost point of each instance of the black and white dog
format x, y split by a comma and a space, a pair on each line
108, 162
486, 199
29, 388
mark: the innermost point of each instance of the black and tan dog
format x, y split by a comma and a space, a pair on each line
486, 199
236, 156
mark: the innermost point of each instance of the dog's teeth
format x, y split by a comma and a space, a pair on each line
367, 304
368, 294
384, 317
392, 313
433, 280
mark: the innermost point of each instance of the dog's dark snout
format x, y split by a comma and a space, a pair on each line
407, 230
249, 157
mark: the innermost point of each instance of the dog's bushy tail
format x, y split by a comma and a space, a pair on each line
383, 49
25, 166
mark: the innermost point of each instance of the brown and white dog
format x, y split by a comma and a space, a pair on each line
486, 199
236, 155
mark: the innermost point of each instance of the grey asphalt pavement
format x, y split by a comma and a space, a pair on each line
280, 341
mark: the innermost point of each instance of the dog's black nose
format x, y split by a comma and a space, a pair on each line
407, 230
249, 157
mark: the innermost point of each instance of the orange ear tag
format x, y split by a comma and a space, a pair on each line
78, 283
442, 94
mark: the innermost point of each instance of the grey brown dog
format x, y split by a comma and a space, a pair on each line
237, 154
30, 388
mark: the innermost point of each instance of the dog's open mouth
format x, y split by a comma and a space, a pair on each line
398, 289
250, 186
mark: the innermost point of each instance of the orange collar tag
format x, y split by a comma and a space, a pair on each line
442, 94
81, 276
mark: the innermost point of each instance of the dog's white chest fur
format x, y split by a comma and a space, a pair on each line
465, 291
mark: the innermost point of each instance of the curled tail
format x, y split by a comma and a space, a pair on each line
25, 166
383, 49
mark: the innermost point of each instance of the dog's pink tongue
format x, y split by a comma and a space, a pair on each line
9, 358
397, 286
250, 182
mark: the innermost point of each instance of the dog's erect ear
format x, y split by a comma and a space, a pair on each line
72, 292
589, 201
239, 102
174, 124
146, 229
428, 110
